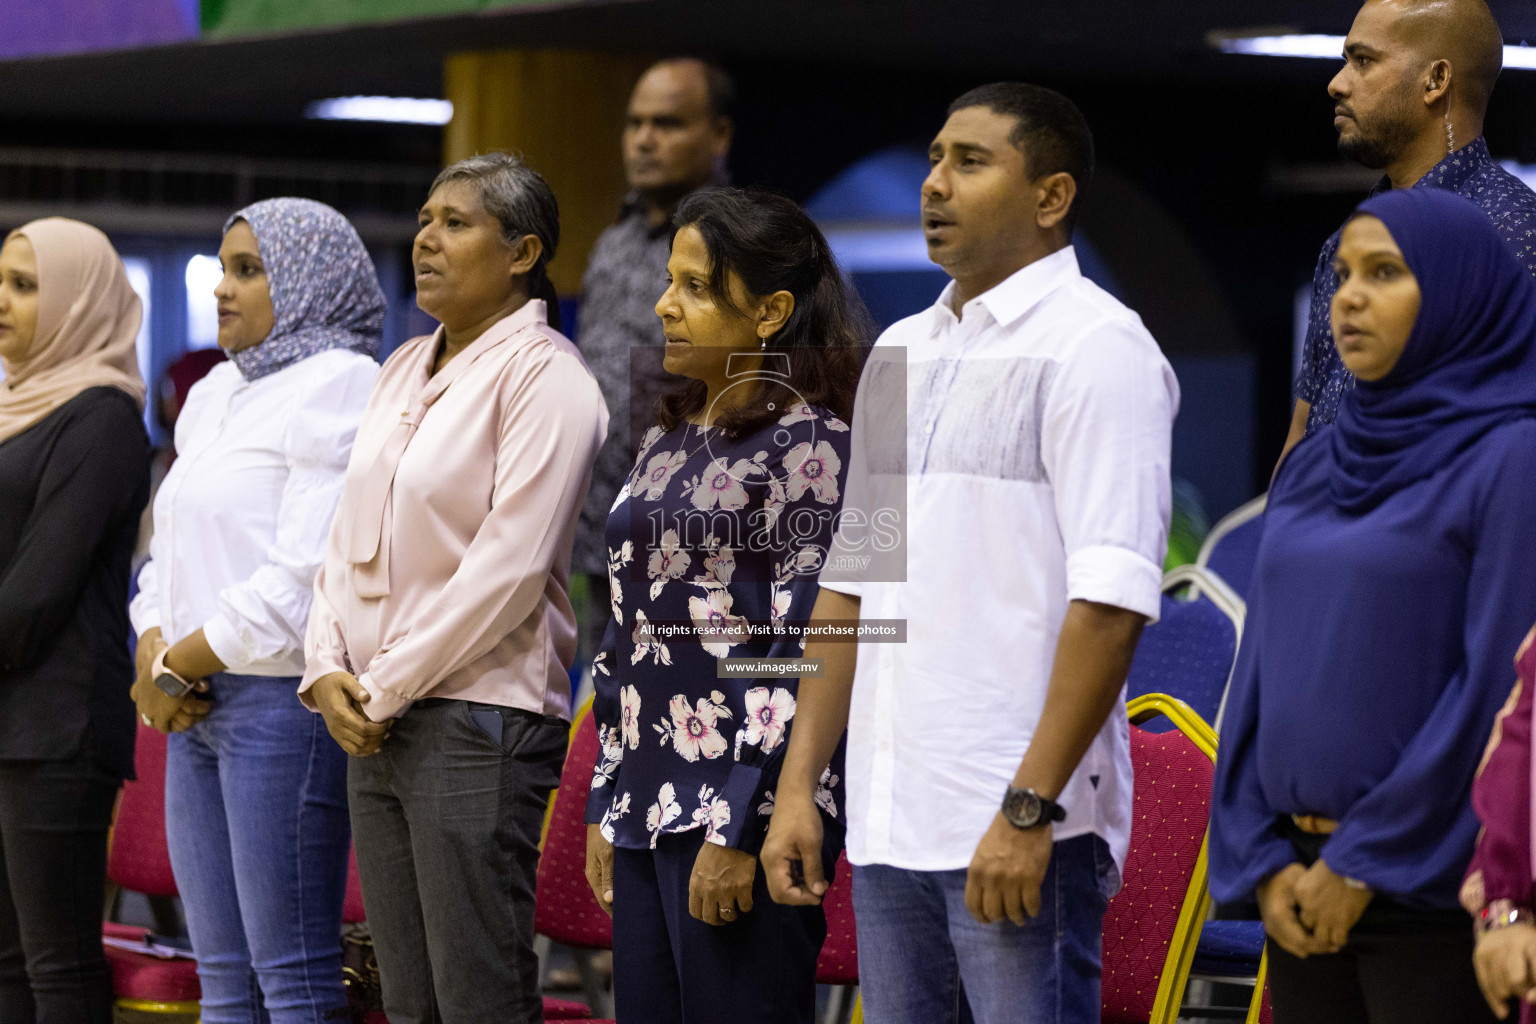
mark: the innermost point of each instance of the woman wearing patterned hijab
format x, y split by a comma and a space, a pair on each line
73, 477
256, 811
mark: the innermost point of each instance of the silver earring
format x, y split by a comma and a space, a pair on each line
764, 347
1450, 135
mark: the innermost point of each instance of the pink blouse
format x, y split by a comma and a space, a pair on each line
447, 567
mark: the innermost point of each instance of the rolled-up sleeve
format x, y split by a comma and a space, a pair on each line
1106, 445
265, 615
549, 432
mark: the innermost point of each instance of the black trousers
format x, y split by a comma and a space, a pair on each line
670, 968
1400, 966
1410, 977
54, 817
445, 821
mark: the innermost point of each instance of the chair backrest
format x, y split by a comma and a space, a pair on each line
140, 859
838, 963
1152, 925
565, 909
1188, 653
352, 911
1232, 545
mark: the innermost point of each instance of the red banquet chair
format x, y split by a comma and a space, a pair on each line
838, 964
565, 909
140, 861
1153, 924
352, 911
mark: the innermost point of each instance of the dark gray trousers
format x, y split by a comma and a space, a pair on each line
446, 821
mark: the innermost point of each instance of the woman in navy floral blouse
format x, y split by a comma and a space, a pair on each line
714, 549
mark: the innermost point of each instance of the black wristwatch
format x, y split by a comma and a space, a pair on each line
1024, 808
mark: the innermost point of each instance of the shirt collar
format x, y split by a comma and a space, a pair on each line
635, 206
1014, 296
1452, 172
530, 313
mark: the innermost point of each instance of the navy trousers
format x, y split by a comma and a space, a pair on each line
669, 968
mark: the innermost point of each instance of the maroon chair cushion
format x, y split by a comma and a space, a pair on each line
565, 909
141, 976
139, 859
838, 963
565, 1009
1172, 808
352, 905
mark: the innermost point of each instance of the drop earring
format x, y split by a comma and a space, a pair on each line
1450, 136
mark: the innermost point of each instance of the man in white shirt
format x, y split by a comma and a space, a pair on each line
988, 766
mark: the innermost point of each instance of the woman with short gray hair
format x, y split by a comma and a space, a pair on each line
442, 632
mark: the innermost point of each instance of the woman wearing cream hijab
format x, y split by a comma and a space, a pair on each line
73, 479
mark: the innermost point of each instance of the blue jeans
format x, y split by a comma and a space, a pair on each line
256, 817
918, 945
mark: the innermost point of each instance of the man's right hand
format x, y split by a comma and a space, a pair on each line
1282, 920
600, 867
792, 852
339, 698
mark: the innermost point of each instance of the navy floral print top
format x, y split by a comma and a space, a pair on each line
1470, 172
714, 549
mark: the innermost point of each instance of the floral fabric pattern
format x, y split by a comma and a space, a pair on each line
715, 547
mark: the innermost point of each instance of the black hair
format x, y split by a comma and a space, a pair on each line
772, 245
523, 204
1051, 132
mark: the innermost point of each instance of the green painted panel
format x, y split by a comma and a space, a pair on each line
256, 17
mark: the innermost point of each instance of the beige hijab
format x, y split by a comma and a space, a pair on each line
87, 321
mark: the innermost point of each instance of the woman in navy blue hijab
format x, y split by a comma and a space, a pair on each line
1392, 588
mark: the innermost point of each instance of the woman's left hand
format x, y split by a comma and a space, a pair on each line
1329, 906
720, 888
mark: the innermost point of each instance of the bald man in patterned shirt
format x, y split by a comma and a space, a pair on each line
1409, 101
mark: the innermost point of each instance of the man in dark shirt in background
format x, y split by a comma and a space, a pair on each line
1410, 101
677, 134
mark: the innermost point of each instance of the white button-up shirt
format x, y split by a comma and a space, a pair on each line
1034, 463
242, 518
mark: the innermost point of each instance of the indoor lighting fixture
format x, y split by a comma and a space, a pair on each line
395, 109
1304, 44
